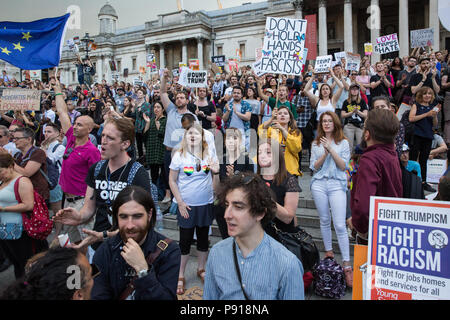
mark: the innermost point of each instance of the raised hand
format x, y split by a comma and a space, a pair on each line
68, 216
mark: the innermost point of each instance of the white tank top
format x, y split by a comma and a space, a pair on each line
321, 109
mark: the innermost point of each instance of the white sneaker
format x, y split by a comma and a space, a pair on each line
166, 200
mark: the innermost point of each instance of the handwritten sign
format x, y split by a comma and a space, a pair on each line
192, 78
422, 38
387, 44
284, 44
20, 99
257, 68
352, 62
409, 250
323, 63
220, 62
340, 57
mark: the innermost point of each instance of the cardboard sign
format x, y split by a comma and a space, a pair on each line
352, 62
220, 62
176, 72
323, 63
233, 65
409, 250
257, 68
193, 79
387, 44
422, 38
284, 43
338, 56
138, 82
194, 64
368, 49
20, 99
435, 170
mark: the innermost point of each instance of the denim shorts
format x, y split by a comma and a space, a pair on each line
56, 194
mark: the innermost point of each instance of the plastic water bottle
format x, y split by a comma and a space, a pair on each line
159, 220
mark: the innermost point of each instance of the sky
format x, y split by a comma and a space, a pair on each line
130, 12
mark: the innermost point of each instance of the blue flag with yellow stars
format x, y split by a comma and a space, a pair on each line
33, 45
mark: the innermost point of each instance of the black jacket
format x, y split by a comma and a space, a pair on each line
115, 273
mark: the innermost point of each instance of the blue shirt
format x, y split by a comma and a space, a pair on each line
245, 107
329, 169
269, 272
414, 166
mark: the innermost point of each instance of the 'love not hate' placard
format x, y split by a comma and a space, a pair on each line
284, 44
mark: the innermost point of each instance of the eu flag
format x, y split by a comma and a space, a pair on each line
33, 45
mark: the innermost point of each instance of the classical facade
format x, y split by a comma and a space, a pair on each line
236, 33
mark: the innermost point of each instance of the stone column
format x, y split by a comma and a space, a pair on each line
323, 36
435, 23
162, 60
298, 6
107, 74
375, 27
403, 22
200, 52
99, 70
348, 26
184, 52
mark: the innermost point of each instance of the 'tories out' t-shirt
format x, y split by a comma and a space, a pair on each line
76, 165
107, 186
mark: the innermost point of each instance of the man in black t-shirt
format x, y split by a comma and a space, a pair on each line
426, 77
105, 180
379, 84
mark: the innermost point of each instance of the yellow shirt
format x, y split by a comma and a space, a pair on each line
293, 145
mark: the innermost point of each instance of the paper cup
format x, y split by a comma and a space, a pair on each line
64, 240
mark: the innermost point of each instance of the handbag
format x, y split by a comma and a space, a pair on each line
301, 244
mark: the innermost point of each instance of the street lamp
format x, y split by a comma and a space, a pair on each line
87, 40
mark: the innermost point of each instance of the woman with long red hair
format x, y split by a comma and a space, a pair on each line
330, 154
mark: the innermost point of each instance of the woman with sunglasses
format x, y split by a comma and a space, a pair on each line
330, 155
191, 181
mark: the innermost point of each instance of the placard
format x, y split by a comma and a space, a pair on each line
435, 170
387, 44
219, 61
20, 99
138, 82
409, 250
338, 56
176, 72
311, 39
422, 38
192, 78
368, 49
233, 65
284, 42
323, 63
194, 64
403, 108
257, 68
352, 62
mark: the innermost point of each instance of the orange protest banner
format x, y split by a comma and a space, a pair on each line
359, 258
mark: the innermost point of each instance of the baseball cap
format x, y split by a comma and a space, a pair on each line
355, 85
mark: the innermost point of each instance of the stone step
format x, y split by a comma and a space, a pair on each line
309, 222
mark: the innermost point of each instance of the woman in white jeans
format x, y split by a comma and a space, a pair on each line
330, 154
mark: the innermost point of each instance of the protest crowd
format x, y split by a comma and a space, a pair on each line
109, 159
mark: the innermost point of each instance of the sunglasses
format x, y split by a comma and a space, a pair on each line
198, 165
67, 154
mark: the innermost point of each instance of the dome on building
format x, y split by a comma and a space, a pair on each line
108, 10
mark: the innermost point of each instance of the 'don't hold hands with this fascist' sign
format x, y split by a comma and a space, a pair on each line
284, 44
408, 250
387, 44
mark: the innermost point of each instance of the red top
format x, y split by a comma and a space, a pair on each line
379, 174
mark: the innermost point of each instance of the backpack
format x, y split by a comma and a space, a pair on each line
329, 279
412, 185
52, 175
36, 223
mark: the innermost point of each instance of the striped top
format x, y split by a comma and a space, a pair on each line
269, 272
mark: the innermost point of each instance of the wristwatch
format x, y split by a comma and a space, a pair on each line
105, 235
142, 273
